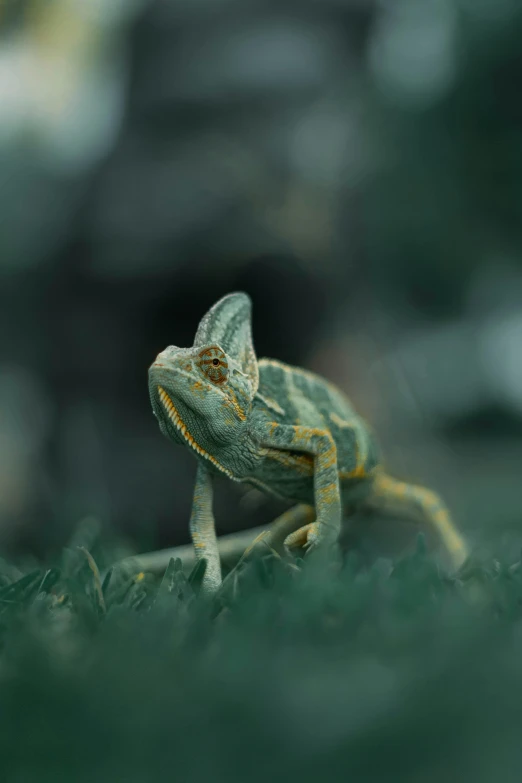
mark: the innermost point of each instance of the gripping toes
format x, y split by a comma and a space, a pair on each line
309, 537
302, 538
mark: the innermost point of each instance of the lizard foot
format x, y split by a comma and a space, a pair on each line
315, 545
303, 538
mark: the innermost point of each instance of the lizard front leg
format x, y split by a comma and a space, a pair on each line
203, 531
327, 497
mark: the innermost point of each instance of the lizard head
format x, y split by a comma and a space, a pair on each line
202, 395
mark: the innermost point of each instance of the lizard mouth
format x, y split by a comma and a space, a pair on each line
180, 425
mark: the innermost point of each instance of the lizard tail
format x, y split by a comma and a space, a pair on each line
419, 505
230, 546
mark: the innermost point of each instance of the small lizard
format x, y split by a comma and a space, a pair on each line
282, 429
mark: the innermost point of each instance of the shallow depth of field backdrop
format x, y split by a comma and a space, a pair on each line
355, 166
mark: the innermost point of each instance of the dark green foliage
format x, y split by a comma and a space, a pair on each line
396, 672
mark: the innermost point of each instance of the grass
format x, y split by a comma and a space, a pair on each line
397, 672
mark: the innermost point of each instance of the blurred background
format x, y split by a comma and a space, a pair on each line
354, 165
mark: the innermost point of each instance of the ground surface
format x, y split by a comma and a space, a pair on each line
394, 673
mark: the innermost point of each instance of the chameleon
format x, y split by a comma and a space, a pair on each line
284, 430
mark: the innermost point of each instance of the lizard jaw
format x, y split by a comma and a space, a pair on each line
180, 425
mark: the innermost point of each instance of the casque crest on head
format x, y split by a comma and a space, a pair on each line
207, 415
226, 330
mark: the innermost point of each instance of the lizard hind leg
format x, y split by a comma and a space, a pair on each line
290, 524
420, 505
285, 527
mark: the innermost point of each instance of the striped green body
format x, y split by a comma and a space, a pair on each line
279, 428
290, 395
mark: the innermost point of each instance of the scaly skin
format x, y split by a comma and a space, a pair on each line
282, 429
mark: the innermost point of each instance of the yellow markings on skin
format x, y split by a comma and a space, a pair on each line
441, 518
180, 425
329, 457
273, 426
401, 489
427, 497
299, 538
199, 388
303, 463
384, 485
357, 472
342, 423
428, 504
233, 401
257, 540
196, 540
329, 494
360, 459
197, 502
305, 434
139, 577
303, 437
454, 542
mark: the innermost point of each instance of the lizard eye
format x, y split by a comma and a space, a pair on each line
213, 362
